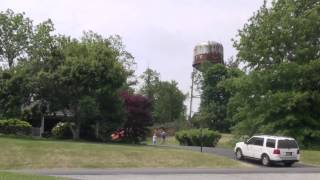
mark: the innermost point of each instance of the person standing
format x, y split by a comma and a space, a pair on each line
163, 136
154, 139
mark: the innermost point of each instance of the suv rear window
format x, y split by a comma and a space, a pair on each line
287, 144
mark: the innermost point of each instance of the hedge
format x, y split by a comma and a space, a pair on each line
193, 137
62, 131
15, 126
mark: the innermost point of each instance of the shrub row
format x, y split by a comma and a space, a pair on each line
15, 126
194, 137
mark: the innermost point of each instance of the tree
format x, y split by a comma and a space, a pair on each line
24, 48
282, 103
90, 73
214, 97
124, 57
21, 41
168, 102
14, 91
286, 32
280, 46
81, 78
42, 43
166, 98
138, 117
15, 35
151, 79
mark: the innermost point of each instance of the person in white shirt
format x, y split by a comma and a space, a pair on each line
154, 139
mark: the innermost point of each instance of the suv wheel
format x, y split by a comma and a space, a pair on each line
239, 155
265, 160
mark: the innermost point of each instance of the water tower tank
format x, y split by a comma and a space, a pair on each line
208, 51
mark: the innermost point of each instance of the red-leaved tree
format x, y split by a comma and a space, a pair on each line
138, 117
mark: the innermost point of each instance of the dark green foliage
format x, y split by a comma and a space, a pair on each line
15, 33
286, 32
166, 98
214, 97
79, 77
281, 92
168, 103
196, 137
283, 103
150, 80
15, 126
21, 41
62, 131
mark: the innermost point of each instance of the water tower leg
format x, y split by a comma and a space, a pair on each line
191, 95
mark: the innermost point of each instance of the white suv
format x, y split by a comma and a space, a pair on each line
269, 149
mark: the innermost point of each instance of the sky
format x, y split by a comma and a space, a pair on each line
160, 34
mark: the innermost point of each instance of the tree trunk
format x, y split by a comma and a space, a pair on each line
10, 60
97, 129
76, 131
42, 125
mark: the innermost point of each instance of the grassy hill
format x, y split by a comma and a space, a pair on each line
29, 153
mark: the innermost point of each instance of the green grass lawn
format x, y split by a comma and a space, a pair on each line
310, 157
18, 176
27, 153
226, 141
170, 140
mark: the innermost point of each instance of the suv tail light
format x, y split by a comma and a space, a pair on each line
276, 151
298, 151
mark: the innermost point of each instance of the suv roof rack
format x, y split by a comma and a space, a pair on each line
275, 136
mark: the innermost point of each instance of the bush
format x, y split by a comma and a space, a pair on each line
193, 137
15, 126
62, 130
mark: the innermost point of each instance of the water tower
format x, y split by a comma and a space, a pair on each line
203, 53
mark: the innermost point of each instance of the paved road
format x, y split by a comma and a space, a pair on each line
171, 171
199, 177
184, 174
230, 154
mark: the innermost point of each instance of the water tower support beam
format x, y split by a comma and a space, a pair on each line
191, 94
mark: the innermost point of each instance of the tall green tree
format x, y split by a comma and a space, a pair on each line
14, 91
280, 46
82, 77
281, 100
168, 102
286, 32
15, 34
151, 79
215, 98
166, 98
90, 73
20, 40
25, 44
